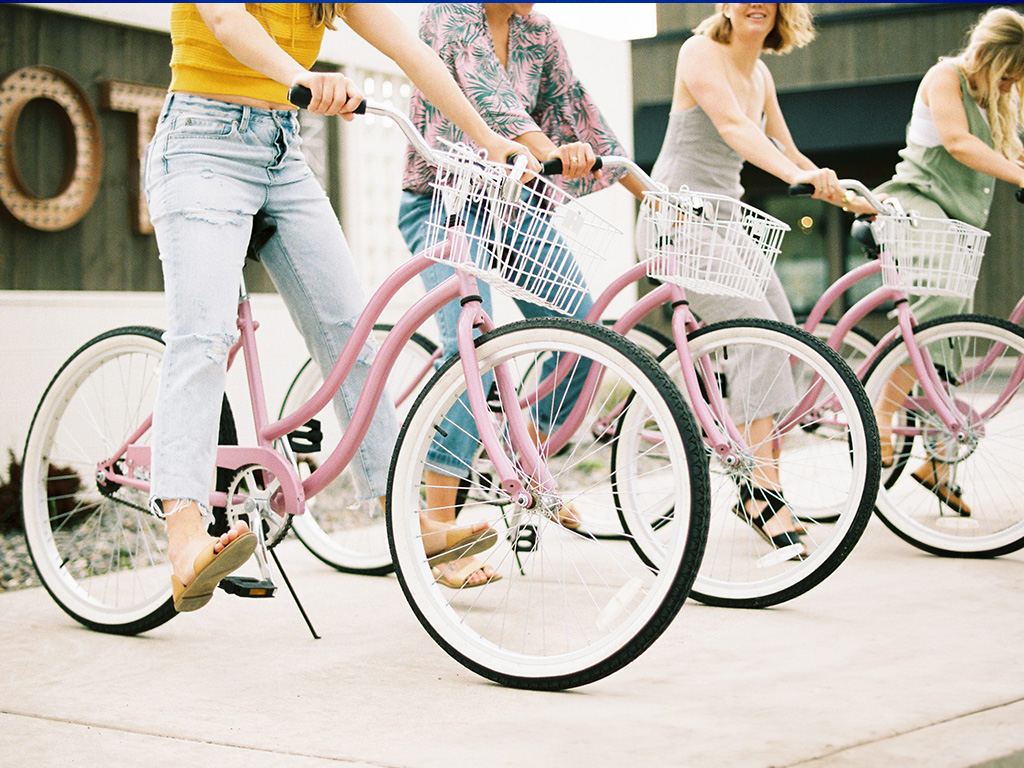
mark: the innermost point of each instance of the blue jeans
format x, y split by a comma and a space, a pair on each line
209, 168
452, 453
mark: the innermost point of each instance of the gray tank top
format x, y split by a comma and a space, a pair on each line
693, 154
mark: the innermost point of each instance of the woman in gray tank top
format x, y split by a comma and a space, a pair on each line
724, 113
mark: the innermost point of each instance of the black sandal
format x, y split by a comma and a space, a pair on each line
776, 502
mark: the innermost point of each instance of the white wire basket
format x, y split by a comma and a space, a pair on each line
710, 243
528, 239
929, 257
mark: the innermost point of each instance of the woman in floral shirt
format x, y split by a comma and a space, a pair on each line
513, 67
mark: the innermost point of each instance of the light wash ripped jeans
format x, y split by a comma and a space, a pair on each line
209, 168
452, 453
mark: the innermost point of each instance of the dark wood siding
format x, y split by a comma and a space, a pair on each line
101, 252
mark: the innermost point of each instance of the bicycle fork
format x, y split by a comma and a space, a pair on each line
473, 316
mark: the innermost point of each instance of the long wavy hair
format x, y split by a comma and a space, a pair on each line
794, 27
994, 51
324, 14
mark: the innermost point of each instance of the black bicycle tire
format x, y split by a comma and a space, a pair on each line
700, 499
227, 431
861, 515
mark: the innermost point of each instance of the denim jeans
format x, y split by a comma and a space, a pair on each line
209, 168
452, 453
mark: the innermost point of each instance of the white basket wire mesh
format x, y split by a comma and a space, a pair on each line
528, 239
929, 257
710, 243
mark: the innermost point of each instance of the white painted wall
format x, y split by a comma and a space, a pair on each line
39, 330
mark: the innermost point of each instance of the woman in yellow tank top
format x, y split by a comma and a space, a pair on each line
226, 148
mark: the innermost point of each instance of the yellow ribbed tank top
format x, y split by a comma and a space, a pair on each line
199, 63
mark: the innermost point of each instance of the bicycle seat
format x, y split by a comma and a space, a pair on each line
860, 230
263, 228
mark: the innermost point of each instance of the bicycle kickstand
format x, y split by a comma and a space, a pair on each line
247, 586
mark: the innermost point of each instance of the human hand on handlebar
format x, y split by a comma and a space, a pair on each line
825, 183
854, 203
577, 159
827, 187
332, 93
506, 151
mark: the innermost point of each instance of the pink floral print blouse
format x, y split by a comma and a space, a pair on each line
536, 92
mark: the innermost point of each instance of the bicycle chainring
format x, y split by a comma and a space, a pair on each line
248, 497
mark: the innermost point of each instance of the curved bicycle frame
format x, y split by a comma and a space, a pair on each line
935, 394
290, 499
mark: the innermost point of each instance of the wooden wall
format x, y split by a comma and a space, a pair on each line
101, 252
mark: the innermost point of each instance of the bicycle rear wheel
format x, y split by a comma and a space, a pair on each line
827, 461
570, 607
340, 529
981, 363
98, 549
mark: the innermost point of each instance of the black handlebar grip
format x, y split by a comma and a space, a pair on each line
799, 190
300, 96
1019, 194
553, 167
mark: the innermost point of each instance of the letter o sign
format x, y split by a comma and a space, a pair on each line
81, 181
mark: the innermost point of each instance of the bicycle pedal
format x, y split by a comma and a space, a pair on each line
308, 438
247, 586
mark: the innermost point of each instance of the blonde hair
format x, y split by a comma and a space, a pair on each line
995, 50
793, 27
324, 14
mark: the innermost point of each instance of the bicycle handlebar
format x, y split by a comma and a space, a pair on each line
796, 190
852, 185
553, 167
300, 96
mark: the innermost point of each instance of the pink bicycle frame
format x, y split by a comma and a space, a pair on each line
953, 416
709, 415
122, 465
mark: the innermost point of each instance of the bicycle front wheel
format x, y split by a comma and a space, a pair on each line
570, 607
822, 444
339, 528
98, 549
956, 495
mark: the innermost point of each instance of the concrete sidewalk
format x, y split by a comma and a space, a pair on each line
899, 658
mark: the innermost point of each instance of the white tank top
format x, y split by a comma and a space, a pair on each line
922, 130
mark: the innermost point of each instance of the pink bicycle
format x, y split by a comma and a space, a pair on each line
569, 608
946, 390
822, 445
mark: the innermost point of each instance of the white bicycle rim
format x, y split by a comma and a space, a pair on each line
579, 607
102, 559
987, 473
826, 473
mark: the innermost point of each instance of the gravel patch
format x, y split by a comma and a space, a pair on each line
16, 569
